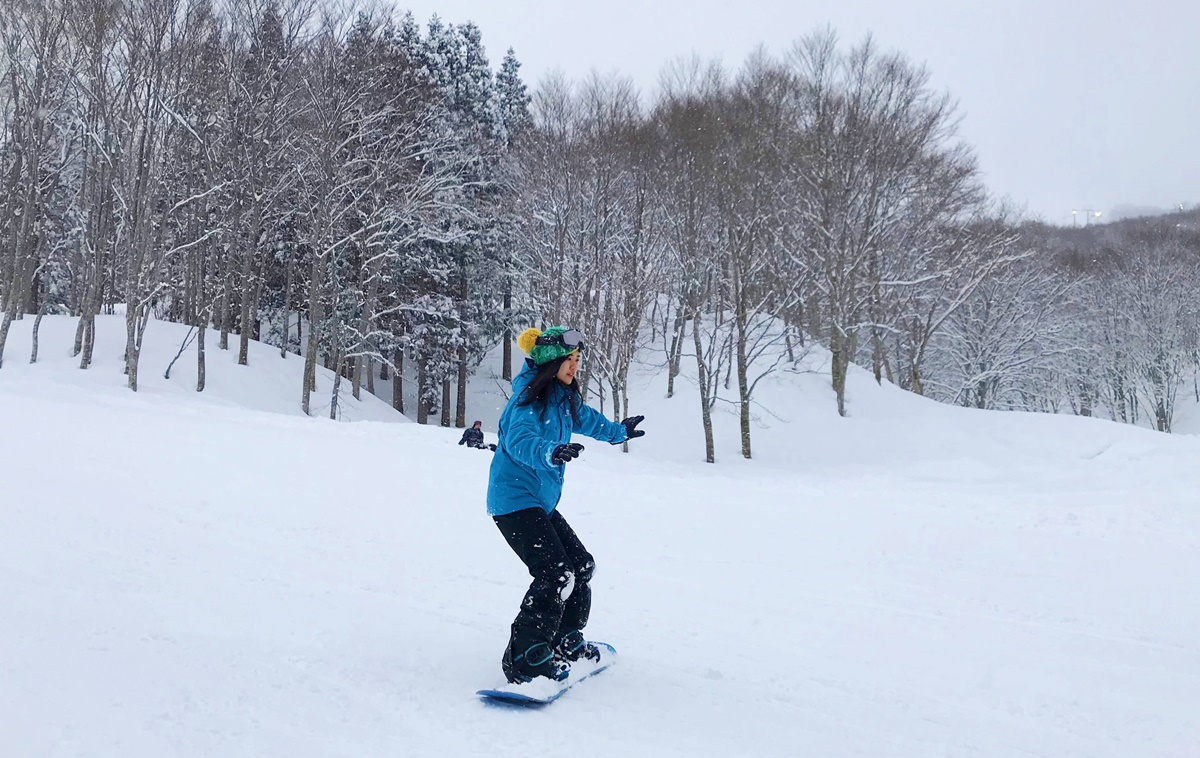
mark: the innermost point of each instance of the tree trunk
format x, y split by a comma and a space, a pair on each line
287, 304
89, 340
1161, 418
814, 322
398, 382
287, 331
460, 411
337, 387
249, 293
200, 367
506, 368
256, 317
877, 354
743, 386
37, 324
1085, 400
78, 337
422, 392
445, 419
356, 371
175, 309
132, 352
226, 312
370, 375
621, 405
33, 281
310, 357
798, 322
676, 352
5, 323
705, 405
838, 365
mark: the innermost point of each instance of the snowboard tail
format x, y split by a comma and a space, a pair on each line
542, 691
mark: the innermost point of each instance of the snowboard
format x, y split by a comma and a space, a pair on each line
542, 691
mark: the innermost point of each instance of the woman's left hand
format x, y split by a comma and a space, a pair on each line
631, 429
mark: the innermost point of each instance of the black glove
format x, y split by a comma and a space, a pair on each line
564, 453
631, 429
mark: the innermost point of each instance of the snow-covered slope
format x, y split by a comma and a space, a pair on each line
186, 577
268, 383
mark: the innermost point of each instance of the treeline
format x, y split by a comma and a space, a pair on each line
371, 195
333, 185
1103, 321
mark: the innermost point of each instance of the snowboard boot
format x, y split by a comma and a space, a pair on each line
572, 647
536, 660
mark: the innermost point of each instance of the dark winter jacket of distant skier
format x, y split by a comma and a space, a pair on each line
472, 437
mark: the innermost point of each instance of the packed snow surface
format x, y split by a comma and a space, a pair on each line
214, 574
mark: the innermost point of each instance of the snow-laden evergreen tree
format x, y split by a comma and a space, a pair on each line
449, 340
513, 98
514, 102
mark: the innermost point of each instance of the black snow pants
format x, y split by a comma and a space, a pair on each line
559, 599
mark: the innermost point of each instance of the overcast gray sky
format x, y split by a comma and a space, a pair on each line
1068, 104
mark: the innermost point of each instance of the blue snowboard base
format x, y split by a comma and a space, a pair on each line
542, 691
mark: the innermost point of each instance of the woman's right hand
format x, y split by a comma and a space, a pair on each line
631, 430
564, 453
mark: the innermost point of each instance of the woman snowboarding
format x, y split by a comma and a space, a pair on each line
524, 487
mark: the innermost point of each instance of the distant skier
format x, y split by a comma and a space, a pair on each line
473, 437
524, 488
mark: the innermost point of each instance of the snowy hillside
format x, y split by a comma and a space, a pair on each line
211, 574
268, 383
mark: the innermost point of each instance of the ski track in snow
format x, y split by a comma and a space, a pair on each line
186, 575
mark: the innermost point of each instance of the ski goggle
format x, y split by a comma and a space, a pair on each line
572, 339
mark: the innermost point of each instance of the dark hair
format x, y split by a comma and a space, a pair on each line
546, 382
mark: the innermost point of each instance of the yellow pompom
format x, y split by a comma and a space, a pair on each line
527, 339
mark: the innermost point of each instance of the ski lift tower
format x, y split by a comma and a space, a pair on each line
1088, 215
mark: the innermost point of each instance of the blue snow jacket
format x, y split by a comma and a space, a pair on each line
522, 475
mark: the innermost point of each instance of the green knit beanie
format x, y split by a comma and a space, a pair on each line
543, 354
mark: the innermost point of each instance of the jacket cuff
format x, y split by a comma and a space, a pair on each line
623, 432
